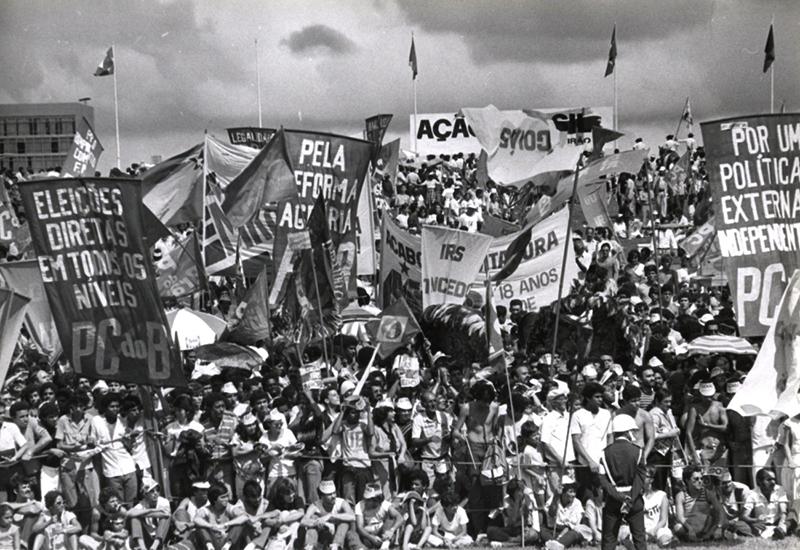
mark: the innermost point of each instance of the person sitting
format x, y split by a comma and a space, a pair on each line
57, 527
566, 516
282, 528
251, 513
416, 512
214, 520
771, 506
696, 518
519, 507
377, 520
25, 507
328, 521
738, 503
449, 523
9, 532
150, 518
116, 537
656, 515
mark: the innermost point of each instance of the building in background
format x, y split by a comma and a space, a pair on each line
38, 136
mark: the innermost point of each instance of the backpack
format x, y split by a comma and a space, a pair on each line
494, 469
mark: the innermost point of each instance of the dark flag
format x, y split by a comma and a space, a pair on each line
173, 190
252, 315
396, 328
412, 60
514, 255
601, 136
83, 153
769, 50
612, 53
179, 272
12, 315
687, 113
268, 178
99, 279
106, 67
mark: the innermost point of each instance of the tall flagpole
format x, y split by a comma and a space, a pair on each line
616, 105
116, 103
772, 70
414, 80
203, 217
258, 85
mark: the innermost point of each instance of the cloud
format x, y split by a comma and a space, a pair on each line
319, 37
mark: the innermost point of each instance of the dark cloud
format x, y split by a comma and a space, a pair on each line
519, 30
316, 37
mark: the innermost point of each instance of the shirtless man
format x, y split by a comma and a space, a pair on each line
645, 435
479, 415
706, 423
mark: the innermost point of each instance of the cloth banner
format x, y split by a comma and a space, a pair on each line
594, 204
535, 281
365, 233
251, 323
451, 260
24, 278
375, 130
753, 166
178, 271
15, 235
497, 227
332, 166
774, 379
84, 152
401, 266
99, 279
12, 315
173, 189
397, 327
513, 140
250, 136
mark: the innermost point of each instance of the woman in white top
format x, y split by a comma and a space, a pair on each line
449, 523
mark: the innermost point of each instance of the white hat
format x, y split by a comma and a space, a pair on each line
100, 385
707, 389
623, 423
248, 419
229, 388
403, 404
372, 490
546, 359
733, 387
655, 362
557, 391
148, 484
347, 386
327, 487
202, 485
706, 318
385, 403
635, 300
276, 416
589, 371
567, 480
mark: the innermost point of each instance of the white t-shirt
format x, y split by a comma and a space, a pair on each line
116, 460
450, 525
592, 429
373, 522
284, 467
652, 509
11, 439
555, 431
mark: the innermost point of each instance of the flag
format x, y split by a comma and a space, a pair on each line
268, 178
179, 271
687, 113
12, 313
25, 278
601, 136
251, 324
412, 60
106, 67
774, 379
396, 328
612, 53
514, 254
84, 152
769, 50
173, 190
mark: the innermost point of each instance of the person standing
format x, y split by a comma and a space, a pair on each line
119, 467
623, 483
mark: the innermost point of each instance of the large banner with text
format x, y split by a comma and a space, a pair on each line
99, 279
754, 169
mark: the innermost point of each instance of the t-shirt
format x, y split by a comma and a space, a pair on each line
11, 438
7, 537
448, 525
437, 427
652, 509
54, 532
592, 429
354, 446
150, 524
555, 431
767, 509
207, 514
116, 460
280, 466
373, 519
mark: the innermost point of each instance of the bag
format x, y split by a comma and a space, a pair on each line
494, 469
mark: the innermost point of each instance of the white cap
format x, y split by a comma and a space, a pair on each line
589, 371
100, 385
327, 487
276, 416
148, 484
347, 386
623, 423
403, 404
706, 318
655, 362
707, 389
229, 388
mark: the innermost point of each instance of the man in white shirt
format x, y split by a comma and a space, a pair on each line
108, 431
150, 519
589, 431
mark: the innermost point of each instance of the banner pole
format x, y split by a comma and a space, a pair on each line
772, 74
203, 216
116, 103
655, 242
258, 84
319, 308
414, 81
567, 244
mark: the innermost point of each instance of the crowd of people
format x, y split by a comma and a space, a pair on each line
521, 450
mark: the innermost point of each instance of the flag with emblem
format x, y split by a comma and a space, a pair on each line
612, 53
396, 328
106, 66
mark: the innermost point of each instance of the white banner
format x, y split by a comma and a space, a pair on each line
448, 133
451, 260
535, 281
365, 233
401, 265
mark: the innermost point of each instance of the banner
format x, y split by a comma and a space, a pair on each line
99, 279
178, 271
401, 266
332, 166
438, 133
24, 278
250, 136
497, 227
535, 281
365, 233
376, 128
513, 140
83, 153
753, 164
594, 204
12, 232
451, 260
12, 313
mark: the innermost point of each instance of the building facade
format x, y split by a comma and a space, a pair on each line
38, 136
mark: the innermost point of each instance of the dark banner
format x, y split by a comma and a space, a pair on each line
375, 130
250, 136
83, 153
754, 168
99, 280
333, 166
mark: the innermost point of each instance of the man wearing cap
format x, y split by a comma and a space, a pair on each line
355, 435
377, 520
329, 521
706, 424
740, 449
150, 518
232, 403
183, 517
430, 434
623, 481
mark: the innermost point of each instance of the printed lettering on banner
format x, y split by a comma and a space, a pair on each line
311, 376
400, 266
407, 367
99, 279
754, 170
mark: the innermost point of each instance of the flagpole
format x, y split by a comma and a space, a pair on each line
567, 244
414, 81
258, 85
116, 102
614, 75
772, 73
203, 215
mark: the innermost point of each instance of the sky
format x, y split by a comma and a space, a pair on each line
187, 66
